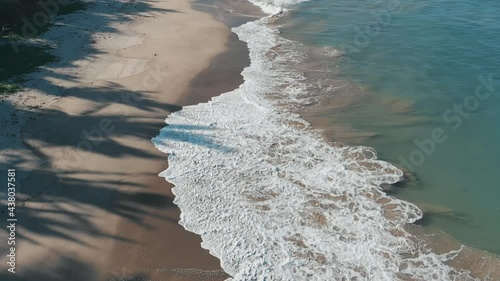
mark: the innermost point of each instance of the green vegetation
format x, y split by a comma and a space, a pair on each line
13, 65
14, 14
26, 18
24, 60
12, 11
7, 88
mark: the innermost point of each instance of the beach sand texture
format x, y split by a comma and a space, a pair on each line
95, 208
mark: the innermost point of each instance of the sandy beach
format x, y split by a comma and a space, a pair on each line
93, 206
284, 162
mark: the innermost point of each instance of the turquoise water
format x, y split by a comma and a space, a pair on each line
432, 70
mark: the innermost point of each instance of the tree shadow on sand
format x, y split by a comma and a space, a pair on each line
51, 187
59, 200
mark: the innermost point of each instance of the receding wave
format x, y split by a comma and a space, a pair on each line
272, 200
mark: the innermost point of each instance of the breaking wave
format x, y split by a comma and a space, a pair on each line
271, 199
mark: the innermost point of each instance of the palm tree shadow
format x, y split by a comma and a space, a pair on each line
53, 201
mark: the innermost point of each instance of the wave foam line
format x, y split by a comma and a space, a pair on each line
272, 200
274, 7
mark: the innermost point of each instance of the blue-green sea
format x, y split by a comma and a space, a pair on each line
431, 71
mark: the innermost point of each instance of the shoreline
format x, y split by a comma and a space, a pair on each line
480, 262
222, 75
125, 223
169, 144
84, 210
342, 132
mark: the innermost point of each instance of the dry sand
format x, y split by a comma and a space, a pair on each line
94, 207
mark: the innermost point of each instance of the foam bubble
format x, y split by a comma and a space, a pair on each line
272, 200
274, 7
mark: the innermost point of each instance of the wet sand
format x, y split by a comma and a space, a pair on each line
170, 245
93, 206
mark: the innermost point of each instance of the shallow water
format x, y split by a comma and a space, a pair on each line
417, 63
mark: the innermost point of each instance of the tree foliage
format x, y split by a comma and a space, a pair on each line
12, 12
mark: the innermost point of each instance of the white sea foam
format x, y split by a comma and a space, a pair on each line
274, 201
274, 6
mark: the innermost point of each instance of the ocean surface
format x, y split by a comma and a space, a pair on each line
360, 126
430, 57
